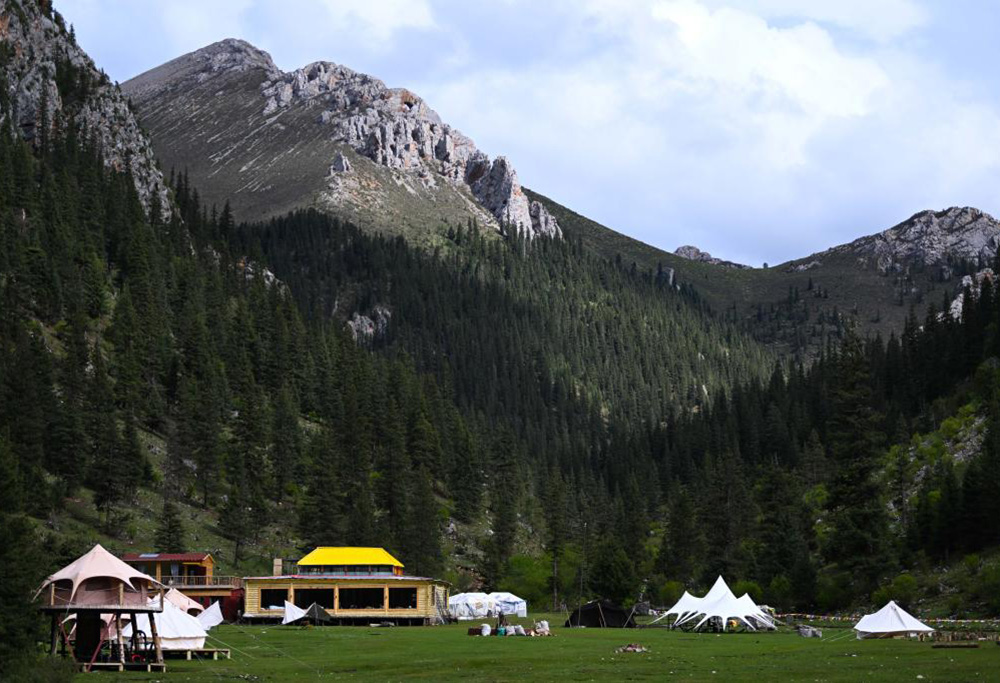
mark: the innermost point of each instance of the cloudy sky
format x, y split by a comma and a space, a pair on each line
759, 130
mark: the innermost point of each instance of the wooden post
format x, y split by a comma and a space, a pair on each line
156, 638
385, 598
118, 636
53, 635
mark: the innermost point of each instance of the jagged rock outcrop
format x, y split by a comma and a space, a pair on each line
47, 78
692, 253
330, 105
972, 283
367, 328
929, 238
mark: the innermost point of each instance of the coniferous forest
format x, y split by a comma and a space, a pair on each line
513, 413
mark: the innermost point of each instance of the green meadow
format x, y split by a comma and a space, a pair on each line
444, 653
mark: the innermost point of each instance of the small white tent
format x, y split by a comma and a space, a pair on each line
466, 606
508, 603
211, 617
292, 613
891, 620
177, 629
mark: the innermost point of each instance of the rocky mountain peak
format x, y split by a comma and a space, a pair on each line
930, 238
392, 127
47, 76
692, 253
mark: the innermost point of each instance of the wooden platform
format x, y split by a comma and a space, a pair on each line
117, 666
206, 652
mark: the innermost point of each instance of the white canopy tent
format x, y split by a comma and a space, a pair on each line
211, 617
891, 620
177, 629
719, 603
466, 606
508, 603
292, 613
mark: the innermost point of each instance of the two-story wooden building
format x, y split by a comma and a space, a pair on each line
193, 574
353, 585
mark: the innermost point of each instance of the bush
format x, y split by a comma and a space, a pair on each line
751, 587
902, 589
669, 593
988, 588
528, 578
833, 591
779, 592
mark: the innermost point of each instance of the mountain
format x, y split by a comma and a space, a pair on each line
323, 136
796, 307
45, 77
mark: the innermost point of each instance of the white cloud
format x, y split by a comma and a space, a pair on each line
379, 20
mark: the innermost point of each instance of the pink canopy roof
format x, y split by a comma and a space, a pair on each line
98, 563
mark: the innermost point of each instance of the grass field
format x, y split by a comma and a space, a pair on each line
445, 653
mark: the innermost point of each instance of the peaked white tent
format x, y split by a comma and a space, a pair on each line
184, 603
891, 620
508, 603
292, 613
466, 606
719, 603
178, 630
211, 617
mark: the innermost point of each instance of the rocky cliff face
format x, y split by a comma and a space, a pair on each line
328, 107
46, 78
692, 253
929, 238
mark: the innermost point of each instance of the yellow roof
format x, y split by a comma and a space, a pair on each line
346, 555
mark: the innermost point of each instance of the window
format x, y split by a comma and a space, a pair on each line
273, 597
402, 598
362, 598
321, 596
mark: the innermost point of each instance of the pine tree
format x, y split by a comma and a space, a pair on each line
858, 520
170, 533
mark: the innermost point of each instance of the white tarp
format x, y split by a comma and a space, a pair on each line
465, 606
211, 617
177, 629
891, 620
508, 603
719, 603
292, 613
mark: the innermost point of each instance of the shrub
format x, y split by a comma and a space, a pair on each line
751, 587
779, 592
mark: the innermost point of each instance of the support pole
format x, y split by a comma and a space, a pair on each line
53, 635
156, 638
118, 636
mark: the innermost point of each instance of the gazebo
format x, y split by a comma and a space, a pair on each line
95, 591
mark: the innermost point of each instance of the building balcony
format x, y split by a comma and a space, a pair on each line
182, 582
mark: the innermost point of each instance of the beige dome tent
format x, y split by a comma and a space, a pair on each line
184, 603
891, 620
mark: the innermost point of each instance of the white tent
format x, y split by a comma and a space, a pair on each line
292, 613
183, 602
719, 603
211, 617
891, 620
681, 608
177, 629
466, 606
508, 603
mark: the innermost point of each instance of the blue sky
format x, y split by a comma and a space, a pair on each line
758, 130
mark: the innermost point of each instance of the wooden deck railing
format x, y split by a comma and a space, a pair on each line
181, 582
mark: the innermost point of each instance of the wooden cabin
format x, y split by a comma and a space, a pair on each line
353, 585
193, 574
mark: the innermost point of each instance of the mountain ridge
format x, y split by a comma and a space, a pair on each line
343, 133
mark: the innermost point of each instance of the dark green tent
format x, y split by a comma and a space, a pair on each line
601, 614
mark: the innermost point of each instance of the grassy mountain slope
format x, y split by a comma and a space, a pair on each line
797, 310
